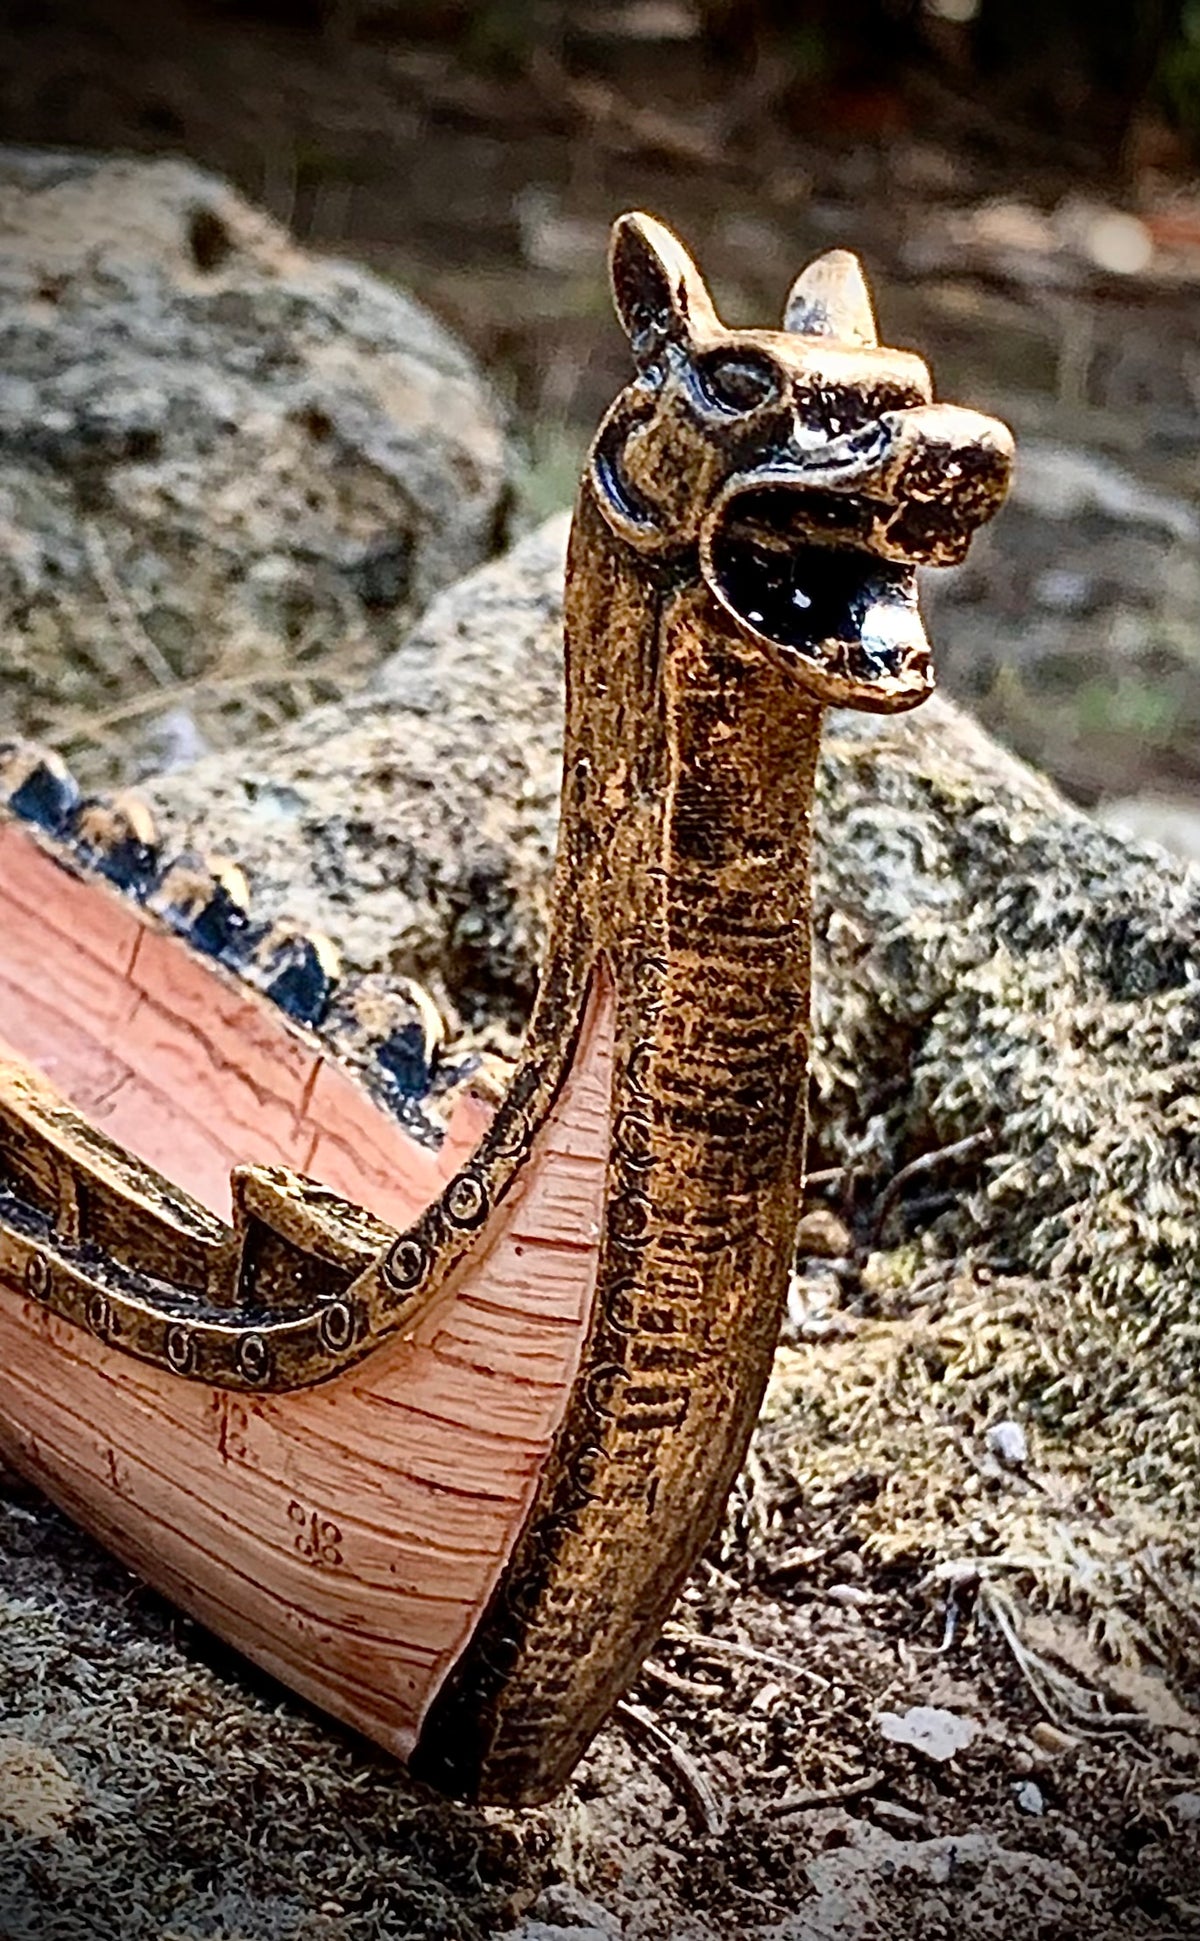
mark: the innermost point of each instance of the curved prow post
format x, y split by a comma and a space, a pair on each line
446, 1472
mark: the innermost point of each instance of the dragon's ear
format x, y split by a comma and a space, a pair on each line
831, 299
659, 293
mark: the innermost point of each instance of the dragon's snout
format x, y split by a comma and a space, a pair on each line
816, 551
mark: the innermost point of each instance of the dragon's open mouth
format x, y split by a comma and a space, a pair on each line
789, 568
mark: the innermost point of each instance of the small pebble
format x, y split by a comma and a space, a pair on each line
929, 1729
1186, 1808
766, 1697
1119, 243
822, 1235
814, 1299
895, 1814
1006, 1442
1051, 1738
563, 1907
957, 1574
849, 1594
1028, 1796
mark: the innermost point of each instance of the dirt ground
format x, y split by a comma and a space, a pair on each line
745, 1788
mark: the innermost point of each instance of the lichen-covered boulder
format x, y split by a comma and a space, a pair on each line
231, 472
415, 823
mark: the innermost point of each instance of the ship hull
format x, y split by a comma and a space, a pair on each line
346, 1536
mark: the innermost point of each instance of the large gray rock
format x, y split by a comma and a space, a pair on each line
416, 823
230, 472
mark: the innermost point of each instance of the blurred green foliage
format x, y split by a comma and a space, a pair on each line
1096, 63
1179, 70
1085, 66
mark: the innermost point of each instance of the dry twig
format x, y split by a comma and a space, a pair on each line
145, 651
925, 1162
1066, 1701
700, 1794
671, 1681
83, 726
823, 1795
748, 1654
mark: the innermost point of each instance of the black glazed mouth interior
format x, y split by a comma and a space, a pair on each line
808, 594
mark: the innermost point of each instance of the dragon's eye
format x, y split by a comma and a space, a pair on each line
737, 381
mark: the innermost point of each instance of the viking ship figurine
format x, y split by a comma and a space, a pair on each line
434, 1436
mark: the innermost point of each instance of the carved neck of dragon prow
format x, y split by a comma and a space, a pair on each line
684, 856
688, 764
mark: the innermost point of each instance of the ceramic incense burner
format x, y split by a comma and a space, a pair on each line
435, 1433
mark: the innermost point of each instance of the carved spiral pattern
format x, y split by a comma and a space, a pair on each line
292, 1351
99, 1315
337, 1326
466, 1201
38, 1279
254, 1358
180, 1348
407, 1264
